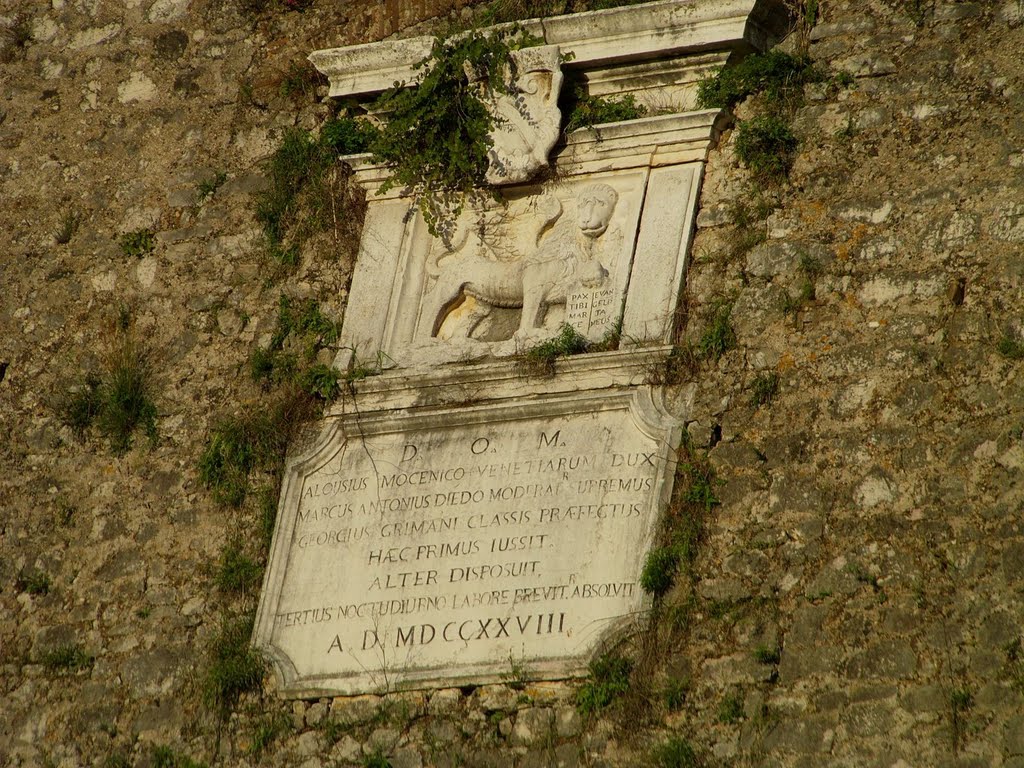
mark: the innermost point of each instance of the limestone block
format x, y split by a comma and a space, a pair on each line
1008, 224
94, 36
661, 252
167, 10
138, 87
532, 725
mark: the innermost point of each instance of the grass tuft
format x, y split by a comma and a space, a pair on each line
268, 729
540, 360
676, 753
33, 582
309, 191
127, 404
609, 679
693, 497
119, 402
779, 76
680, 365
254, 440
70, 220
659, 570
718, 336
767, 146
16, 38
206, 187
730, 710
233, 667
504, 11
302, 332
585, 111
237, 573
68, 657
165, 757
139, 243
764, 389
376, 760
1010, 348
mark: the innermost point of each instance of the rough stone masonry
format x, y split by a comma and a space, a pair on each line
859, 592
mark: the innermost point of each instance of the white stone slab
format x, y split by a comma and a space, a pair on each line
429, 550
662, 246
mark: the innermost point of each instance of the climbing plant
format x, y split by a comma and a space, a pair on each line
436, 134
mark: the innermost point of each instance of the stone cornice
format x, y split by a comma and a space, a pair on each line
629, 34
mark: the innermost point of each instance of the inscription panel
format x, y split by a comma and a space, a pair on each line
421, 555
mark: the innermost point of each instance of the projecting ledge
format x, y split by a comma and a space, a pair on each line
629, 34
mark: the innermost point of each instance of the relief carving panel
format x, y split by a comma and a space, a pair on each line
528, 120
513, 274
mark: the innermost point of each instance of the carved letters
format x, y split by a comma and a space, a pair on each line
404, 548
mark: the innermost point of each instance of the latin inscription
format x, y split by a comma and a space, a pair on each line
408, 553
591, 311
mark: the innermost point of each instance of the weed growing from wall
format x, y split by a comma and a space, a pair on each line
677, 752
165, 757
309, 190
268, 729
718, 336
730, 709
70, 220
300, 81
503, 11
206, 187
540, 359
749, 229
16, 38
585, 111
694, 496
679, 365
32, 581
778, 77
255, 8
377, 759
609, 679
1010, 348
301, 334
69, 657
233, 667
810, 270
961, 701
119, 402
1014, 667
765, 143
253, 441
767, 146
763, 389
237, 572
138, 243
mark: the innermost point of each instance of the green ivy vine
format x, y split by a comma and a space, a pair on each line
436, 134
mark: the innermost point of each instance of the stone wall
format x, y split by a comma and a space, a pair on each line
858, 597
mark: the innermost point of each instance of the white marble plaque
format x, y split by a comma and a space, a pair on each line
431, 550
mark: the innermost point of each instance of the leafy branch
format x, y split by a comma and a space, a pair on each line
436, 134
